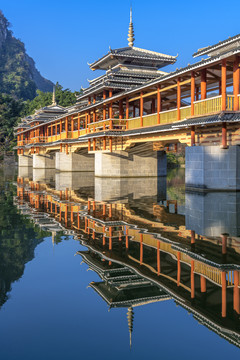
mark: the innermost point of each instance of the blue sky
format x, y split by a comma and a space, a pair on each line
62, 36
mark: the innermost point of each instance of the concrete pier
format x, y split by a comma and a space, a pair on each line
81, 161
74, 180
114, 189
213, 213
212, 168
25, 160
44, 176
139, 161
46, 161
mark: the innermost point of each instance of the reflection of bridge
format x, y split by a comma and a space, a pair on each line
198, 276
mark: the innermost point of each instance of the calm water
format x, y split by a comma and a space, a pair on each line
93, 268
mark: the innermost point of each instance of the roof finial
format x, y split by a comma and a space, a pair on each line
130, 30
54, 96
130, 317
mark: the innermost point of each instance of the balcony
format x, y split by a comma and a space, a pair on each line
202, 107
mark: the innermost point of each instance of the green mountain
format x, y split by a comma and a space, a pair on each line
18, 74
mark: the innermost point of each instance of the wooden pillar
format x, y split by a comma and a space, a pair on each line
192, 92
89, 100
141, 109
94, 144
127, 112
94, 115
192, 280
86, 120
236, 304
224, 135
79, 125
141, 249
120, 109
223, 84
192, 135
203, 284
224, 294
104, 143
224, 244
158, 104
110, 144
89, 145
66, 126
72, 124
158, 258
236, 83
178, 268
104, 106
66, 148
192, 237
178, 99
203, 84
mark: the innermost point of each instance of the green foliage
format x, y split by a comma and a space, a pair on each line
63, 97
15, 72
10, 110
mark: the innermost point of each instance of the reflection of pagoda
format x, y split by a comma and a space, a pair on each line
134, 261
121, 286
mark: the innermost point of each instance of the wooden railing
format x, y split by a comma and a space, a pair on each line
109, 124
208, 106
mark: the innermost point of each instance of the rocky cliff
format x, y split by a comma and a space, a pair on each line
18, 74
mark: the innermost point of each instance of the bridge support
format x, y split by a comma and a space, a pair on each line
75, 181
133, 163
74, 161
25, 160
46, 161
212, 168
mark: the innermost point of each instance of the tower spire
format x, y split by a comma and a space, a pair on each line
130, 31
130, 317
54, 96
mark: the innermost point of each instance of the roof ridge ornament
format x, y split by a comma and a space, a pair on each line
130, 31
54, 96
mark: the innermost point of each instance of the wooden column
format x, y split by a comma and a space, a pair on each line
192, 280
79, 125
104, 143
104, 106
94, 144
192, 237
224, 294
141, 249
66, 148
223, 84
178, 268
110, 144
89, 145
141, 109
236, 84
178, 99
224, 135
86, 119
192, 92
224, 244
203, 284
72, 124
120, 109
60, 147
66, 126
127, 112
158, 104
236, 304
192, 135
203, 84
158, 258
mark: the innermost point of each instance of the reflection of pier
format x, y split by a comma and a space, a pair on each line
155, 251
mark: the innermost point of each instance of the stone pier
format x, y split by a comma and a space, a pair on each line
46, 161
212, 168
213, 213
74, 180
25, 160
140, 161
81, 161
